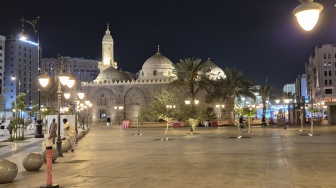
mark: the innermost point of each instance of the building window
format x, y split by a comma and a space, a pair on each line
330, 82
328, 91
324, 56
329, 56
329, 64
329, 73
154, 73
325, 82
325, 64
102, 113
325, 73
142, 73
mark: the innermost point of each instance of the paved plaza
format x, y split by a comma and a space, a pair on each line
114, 157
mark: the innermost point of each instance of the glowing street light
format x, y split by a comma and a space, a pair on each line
63, 79
307, 14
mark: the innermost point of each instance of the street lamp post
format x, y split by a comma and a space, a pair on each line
35, 23
286, 102
78, 94
220, 108
63, 79
88, 104
118, 109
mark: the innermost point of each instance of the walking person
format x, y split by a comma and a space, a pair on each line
2, 128
70, 132
52, 130
108, 121
263, 121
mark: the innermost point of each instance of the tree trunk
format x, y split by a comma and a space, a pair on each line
230, 103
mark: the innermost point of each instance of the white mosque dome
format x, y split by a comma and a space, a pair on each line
215, 71
157, 67
111, 75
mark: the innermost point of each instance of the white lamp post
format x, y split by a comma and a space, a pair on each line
118, 109
286, 102
63, 79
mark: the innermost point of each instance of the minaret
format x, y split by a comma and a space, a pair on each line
107, 52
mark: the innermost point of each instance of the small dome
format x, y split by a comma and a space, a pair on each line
215, 71
112, 74
157, 61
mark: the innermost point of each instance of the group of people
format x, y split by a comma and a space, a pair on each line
68, 132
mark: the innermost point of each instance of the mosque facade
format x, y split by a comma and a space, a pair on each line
120, 94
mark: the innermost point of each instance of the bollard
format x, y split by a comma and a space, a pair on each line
49, 168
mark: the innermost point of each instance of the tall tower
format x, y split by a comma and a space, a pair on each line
107, 52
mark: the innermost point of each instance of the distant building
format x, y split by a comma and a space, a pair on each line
84, 70
289, 88
2, 62
21, 64
321, 72
321, 79
114, 87
301, 88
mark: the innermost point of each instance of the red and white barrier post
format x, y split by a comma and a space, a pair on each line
49, 168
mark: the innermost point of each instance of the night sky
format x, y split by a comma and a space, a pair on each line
261, 38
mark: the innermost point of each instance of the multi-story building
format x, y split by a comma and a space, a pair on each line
289, 88
301, 88
321, 72
84, 70
21, 63
2, 61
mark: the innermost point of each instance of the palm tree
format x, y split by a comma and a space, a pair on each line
227, 89
191, 76
265, 92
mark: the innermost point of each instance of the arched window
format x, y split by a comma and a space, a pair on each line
154, 73
142, 73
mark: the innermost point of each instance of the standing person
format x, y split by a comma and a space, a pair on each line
52, 130
108, 121
263, 121
32, 125
69, 131
206, 124
2, 128
241, 121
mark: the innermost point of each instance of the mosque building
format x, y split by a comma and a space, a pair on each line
120, 94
